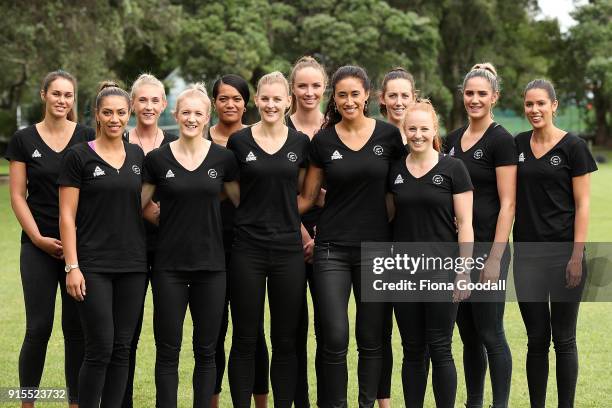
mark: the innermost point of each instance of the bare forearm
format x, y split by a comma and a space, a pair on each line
68, 236
25, 217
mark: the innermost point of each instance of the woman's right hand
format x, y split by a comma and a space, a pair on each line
75, 284
51, 246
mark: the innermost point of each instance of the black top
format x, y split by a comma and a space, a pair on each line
545, 207
268, 212
190, 230
42, 170
424, 207
355, 209
110, 231
494, 149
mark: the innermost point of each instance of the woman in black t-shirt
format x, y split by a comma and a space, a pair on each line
552, 208
430, 201
488, 151
35, 154
104, 246
188, 176
230, 97
352, 153
267, 244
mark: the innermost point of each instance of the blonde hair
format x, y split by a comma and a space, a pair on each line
147, 79
197, 90
484, 70
424, 105
275, 77
304, 62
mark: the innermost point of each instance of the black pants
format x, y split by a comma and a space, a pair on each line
427, 327
204, 293
384, 385
556, 318
40, 276
250, 268
336, 269
262, 361
109, 315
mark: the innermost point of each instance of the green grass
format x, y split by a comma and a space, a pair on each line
594, 342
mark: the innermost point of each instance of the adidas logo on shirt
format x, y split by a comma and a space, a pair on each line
399, 179
169, 174
250, 157
336, 155
521, 157
98, 172
452, 151
36, 153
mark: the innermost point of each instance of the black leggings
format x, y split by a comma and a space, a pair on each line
262, 362
250, 268
384, 385
40, 276
336, 269
204, 293
427, 327
109, 315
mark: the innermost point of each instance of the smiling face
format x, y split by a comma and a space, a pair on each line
350, 98
397, 95
192, 115
229, 104
539, 108
308, 88
420, 130
148, 104
59, 98
113, 114
272, 101
478, 98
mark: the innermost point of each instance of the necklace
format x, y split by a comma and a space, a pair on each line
140, 140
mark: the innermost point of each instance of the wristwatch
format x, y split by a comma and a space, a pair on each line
69, 267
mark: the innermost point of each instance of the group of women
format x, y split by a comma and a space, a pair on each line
285, 204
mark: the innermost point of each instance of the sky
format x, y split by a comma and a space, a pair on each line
561, 10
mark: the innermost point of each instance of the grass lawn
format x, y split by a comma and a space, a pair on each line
594, 342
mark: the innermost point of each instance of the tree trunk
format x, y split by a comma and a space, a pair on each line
601, 105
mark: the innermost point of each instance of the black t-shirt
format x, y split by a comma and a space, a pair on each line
494, 149
545, 207
110, 231
42, 170
190, 230
355, 209
268, 212
424, 207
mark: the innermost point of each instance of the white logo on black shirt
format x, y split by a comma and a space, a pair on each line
555, 160
136, 169
292, 157
36, 153
378, 150
250, 157
478, 154
336, 155
437, 179
452, 151
399, 179
521, 157
98, 172
169, 174
212, 173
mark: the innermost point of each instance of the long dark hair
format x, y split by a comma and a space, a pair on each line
332, 116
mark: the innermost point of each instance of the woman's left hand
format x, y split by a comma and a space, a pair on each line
573, 273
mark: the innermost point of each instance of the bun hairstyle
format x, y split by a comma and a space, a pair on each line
197, 90
305, 62
332, 116
52, 76
424, 105
234, 81
106, 89
395, 73
484, 70
542, 84
147, 79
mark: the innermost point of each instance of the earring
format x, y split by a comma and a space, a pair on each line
335, 107
365, 105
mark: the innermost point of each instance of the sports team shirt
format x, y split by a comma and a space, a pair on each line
424, 207
545, 207
190, 230
494, 149
355, 209
42, 170
268, 213
110, 231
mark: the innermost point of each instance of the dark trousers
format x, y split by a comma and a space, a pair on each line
251, 267
204, 293
336, 270
384, 386
40, 276
109, 315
